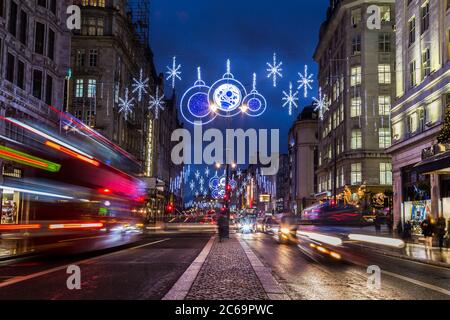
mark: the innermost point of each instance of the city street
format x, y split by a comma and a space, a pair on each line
149, 268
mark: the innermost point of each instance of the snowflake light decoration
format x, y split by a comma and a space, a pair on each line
140, 85
197, 175
207, 172
274, 70
192, 185
290, 99
157, 102
174, 72
126, 104
321, 104
239, 173
305, 81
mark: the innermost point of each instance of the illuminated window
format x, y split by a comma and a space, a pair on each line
355, 110
385, 13
356, 139
356, 175
385, 173
355, 76
413, 123
92, 88
384, 138
384, 74
79, 88
384, 105
412, 74
426, 63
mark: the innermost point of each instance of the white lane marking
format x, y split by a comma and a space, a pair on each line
86, 238
45, 272
181, 288
407, 279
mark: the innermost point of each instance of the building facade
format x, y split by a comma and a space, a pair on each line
356, 73
283, 179
303, 160
422, 96
34, 59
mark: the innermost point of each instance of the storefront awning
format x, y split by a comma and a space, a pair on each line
438, 164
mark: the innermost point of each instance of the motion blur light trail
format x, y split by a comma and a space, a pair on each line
391, 242
334, 241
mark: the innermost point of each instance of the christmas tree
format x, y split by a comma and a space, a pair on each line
444, 136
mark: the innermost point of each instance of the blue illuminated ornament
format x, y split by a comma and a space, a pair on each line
174, 72
140, 85
290, 99
157, 102
194, 105
321, 104
254, 103
226, 95
274, 70
305, 81
126, 104
214, 182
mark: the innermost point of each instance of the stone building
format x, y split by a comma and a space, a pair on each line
420, 170
356, 73
303, 160
107, 54
34, 59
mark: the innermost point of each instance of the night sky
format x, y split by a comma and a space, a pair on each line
205, 33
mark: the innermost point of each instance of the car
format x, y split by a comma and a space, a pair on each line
287, 231
270, 224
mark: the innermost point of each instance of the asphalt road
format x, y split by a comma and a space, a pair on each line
306, 274
145, 269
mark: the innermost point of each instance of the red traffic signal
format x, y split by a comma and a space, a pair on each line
170, 208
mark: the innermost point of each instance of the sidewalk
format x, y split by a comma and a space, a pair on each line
227, 270
414, 249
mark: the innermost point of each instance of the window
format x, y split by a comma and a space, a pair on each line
80, 57
51, 44
10, 64
412, 74
425, 14
384, 135
53, 6
356, 45
42, 3
39, 38
92, 29
384, 74
21, 75
412, 30
341, 177
385, 13
23, 27
2, 8
37, 84
356, 175
93, 55
355, 110
356, 139
49, 90
356, 17
426, 63
413, 123
355, 76
384, 42
100, 26
12, 23
79, 88
385, 173
384, 105
92, 88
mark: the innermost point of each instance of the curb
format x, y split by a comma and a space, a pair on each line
271, 286
181, 288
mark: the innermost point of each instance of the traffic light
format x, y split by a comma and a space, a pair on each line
169, 208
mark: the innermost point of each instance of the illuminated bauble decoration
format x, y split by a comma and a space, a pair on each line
226, 95
194, 105
214, 182
254, 103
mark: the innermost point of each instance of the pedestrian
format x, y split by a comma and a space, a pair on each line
377, 222
407, 230
221, 224
440, 231
389, 222
427, 231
